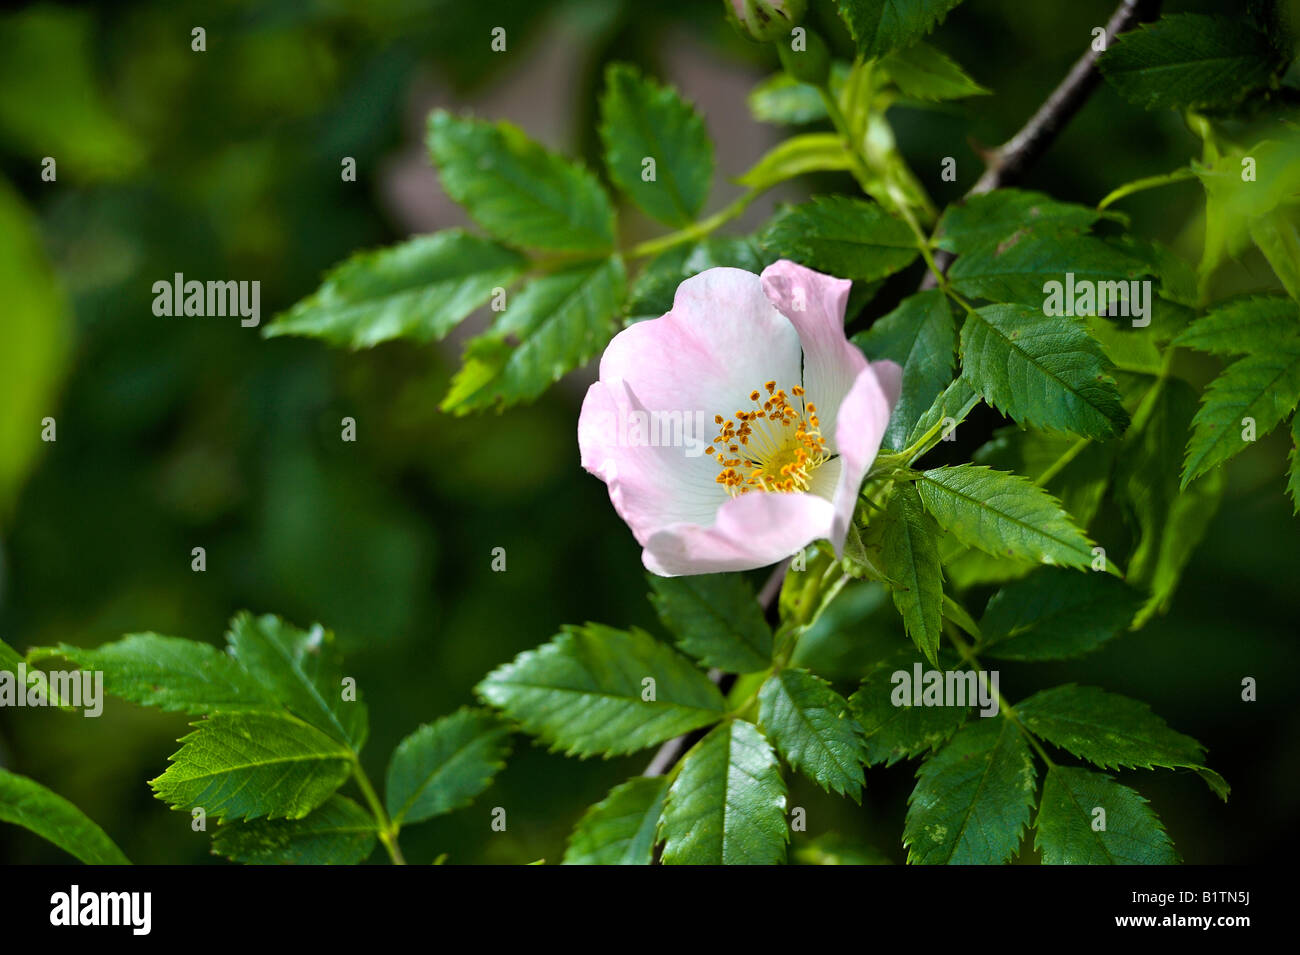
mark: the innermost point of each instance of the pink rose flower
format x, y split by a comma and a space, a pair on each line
737, 428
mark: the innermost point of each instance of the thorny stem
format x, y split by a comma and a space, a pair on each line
1006, 165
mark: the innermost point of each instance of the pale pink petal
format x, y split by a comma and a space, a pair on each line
722, 340
752, 530
814, 303
650, 486
863, 417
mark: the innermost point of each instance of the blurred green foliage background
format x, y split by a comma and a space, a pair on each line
183, 432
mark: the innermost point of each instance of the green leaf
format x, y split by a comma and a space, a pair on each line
1004, 515
1018, 268
811, 152
1243, 326
927, 73
1106, 729
586, 692
655, 288
1076, 471
1065, 829
1055, 614
25, 802
338, 832
303, 670
560, 322
783, 99
518, 191
881, 26
172, 674
812, 727
716, 619
621, 828
1264, 386
248, 765
903, 731
921, 336
640, 120
420, 289
445, 764
727, 805
993, 217
955, 403
1044, 372
1190, 61
848, 238
972, 798
1276, 236
910, 556
1169, 523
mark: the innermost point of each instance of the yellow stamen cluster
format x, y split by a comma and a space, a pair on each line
774, 447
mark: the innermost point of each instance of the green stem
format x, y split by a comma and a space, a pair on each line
387, 829
1149, 182
697, 230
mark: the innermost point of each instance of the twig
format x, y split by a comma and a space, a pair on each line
1008, 164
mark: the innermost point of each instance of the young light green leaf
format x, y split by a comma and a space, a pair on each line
1054, 614
909, 554
727, 805
25, 802
443, 765
420, 289
621, 828
1066, 830
1044, 372
560, 321
881, 26
812, 727
716, 619
1190, 61
595, 689
1263, 387
338, 832
1004, 515
1108, 730
972, 798
994, 217
848, 238
518, 191
172, 674
921, 336
810, 152
927, 73
250, 765
1244, 326
303, 670
1019, 268
642, 120
783, 99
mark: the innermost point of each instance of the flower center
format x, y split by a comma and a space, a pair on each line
775, 447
